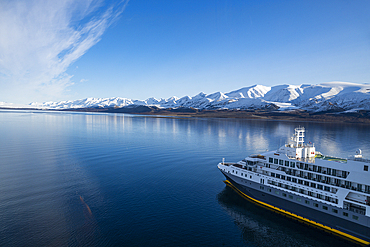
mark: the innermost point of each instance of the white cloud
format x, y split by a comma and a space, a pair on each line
40, 39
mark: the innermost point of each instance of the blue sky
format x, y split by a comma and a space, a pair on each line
139, 49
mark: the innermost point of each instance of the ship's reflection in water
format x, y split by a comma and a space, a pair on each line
262, 227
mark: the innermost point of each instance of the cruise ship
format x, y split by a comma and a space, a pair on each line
296, 180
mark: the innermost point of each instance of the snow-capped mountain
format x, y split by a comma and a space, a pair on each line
337, 96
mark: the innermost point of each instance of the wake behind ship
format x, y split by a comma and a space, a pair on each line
330, 193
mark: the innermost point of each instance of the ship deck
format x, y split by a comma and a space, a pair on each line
330, 158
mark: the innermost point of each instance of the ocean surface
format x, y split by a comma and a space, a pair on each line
85, 179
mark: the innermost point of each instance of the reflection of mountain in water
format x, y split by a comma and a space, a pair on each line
261, 227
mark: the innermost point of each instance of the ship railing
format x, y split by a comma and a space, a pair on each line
249, 168
256, 157
307, 160
358, 201
360, 159
226, 163
237, 165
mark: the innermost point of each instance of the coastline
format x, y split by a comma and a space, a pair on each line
359, 117
262, 115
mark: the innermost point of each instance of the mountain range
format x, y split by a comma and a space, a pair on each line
331, 96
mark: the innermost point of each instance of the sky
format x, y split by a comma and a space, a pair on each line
137, 49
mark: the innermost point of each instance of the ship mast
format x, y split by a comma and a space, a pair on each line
299, 136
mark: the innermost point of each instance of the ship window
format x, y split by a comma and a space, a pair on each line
277, 192
316, 205
328, 171
306, 183
359, 187
272, 174
271, 160
366, 168
325, 207
334, 210
278, 175
294, 180
262, 188
233, 171
290, 197
284, 194
276, 161
242, 174
286, 163
299, 199
319, 186
319, 169
292, 164
313, 185
334, 172
336, 182
327, 188
281, 162
300, 181
345, 214
348, 183
367, 188
269, 190
282, 177
236, 172
250, 176
307, 202
354, 217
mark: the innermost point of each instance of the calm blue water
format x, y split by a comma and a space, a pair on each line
83, 179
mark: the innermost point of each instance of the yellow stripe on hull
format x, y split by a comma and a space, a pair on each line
300, 218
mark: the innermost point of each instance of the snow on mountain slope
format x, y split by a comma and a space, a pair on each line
86, 103
283, 93
256, 91
217, 96
11, 105
338, 96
